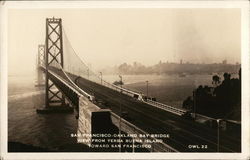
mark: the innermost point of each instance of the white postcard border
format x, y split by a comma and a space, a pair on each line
243, 5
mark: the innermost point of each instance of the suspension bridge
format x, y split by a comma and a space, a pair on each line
102, 107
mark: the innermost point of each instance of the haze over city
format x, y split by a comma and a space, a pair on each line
108, 37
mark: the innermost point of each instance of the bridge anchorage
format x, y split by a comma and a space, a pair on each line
48, 55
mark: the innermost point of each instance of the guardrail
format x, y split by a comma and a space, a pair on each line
167, 108
129, 128
130, 93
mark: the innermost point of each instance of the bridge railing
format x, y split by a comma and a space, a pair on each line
165, 107
177, 111
129, 128
119, 89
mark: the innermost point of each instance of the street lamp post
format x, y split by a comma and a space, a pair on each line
88, 72
101, 76
147, 88
121, 81
218, 135
79, 71
194, 99
120, 117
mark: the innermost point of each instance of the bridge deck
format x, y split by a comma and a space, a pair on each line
182, 132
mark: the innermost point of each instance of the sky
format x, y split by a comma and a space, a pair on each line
108, 37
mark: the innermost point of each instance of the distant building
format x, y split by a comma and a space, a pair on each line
181, 61
224, 62
135, 64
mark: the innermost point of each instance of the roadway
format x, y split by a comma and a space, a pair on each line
183, 133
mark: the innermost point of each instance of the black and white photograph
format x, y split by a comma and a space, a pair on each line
136, 79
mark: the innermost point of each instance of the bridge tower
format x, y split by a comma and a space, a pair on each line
49, 57
53, 56
40, 62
